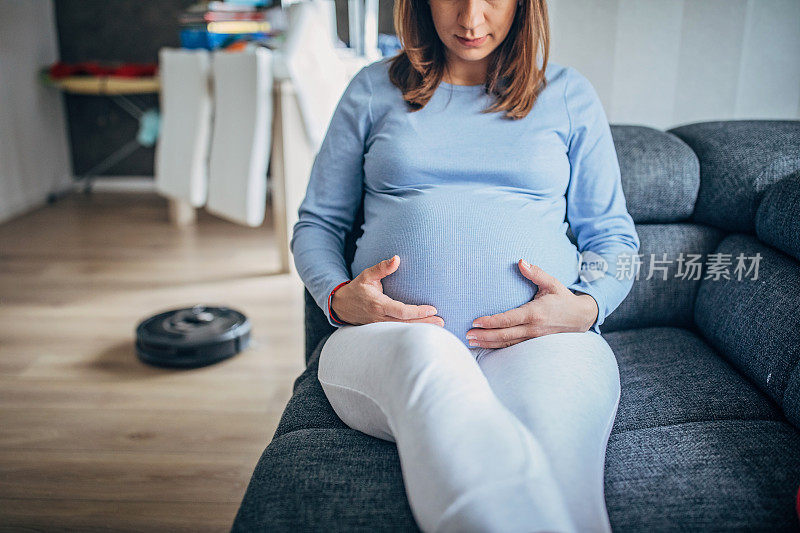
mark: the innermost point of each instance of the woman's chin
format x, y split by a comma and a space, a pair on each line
467, 53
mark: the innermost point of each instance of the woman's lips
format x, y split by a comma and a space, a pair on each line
473, 42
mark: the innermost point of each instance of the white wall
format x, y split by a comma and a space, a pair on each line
660, 63
34, 151
663, 63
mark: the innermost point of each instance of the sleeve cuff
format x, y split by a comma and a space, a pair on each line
332, 318
582, 287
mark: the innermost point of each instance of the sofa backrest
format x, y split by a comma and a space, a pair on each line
750, 189
661, 179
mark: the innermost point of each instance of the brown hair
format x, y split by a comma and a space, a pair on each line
513, 75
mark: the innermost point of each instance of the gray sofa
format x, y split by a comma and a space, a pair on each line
707, 432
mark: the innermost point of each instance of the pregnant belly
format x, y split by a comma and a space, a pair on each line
459, 249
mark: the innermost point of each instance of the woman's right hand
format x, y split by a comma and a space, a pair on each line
362, 301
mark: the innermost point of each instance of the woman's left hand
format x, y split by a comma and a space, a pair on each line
554, 309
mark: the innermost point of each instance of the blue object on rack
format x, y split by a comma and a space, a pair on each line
149, 123
196, 38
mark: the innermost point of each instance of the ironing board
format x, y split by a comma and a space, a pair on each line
116, 88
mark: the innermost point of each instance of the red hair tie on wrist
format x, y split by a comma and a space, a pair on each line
330, 309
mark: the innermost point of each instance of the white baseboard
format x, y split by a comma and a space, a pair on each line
133, 184
123, 184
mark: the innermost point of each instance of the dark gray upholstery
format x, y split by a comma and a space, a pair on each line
317, 325
753, 323
707, 435
664, 299
720, 475
778, 216
660, 174
327, 480
739, 159
670, 376
308, 407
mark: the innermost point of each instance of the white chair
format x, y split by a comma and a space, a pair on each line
242, 135
182, 149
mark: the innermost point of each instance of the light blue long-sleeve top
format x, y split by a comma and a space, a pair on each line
461, 196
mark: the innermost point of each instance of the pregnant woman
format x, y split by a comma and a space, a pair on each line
469, 333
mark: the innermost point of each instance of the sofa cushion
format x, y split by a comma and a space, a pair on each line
778, 215
658, 301
326, 480
722, 475
309, 407
668, 376
739, 159
693, 440
753, 322
660, 174
716, 475
671, 376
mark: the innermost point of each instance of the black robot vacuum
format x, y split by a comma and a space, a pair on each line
192, 337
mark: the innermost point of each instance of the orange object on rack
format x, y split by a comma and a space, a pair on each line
236, 46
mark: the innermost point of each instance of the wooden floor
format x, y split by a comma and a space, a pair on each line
91, 438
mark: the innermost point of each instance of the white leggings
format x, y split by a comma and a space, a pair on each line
506, 440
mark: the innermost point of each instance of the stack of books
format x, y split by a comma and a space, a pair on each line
214, 24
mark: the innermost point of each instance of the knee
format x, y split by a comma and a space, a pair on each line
423, 344
600, 364
421, 333
429, 339
612, 370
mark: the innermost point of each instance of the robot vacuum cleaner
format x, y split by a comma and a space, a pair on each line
192, 337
